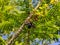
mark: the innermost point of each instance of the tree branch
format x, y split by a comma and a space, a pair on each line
14, 36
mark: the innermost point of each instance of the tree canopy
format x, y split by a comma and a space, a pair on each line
25, 20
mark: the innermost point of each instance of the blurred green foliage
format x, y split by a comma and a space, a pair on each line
14, 12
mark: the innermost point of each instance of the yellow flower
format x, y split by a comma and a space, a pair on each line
52, 1
40, 8
37, 13
8, 7
46, 5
